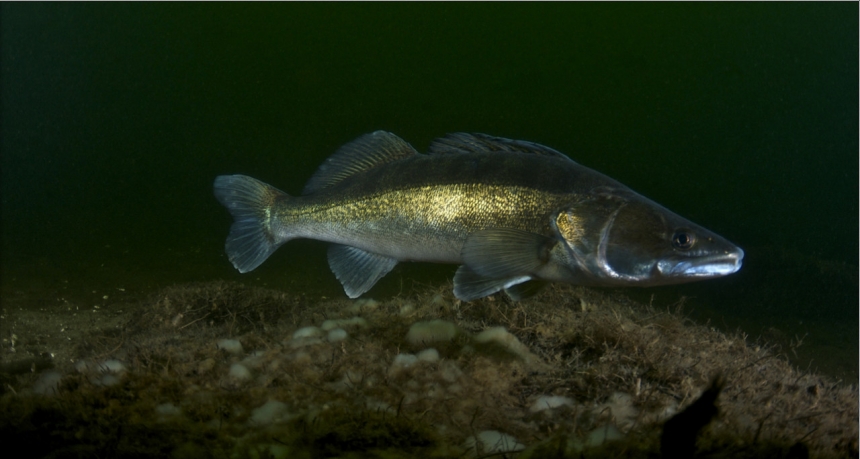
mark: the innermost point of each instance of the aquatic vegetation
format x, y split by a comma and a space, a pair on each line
220, 369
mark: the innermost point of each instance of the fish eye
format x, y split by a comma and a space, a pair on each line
683, 240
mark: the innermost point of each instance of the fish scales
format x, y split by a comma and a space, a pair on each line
436, 198
425, 223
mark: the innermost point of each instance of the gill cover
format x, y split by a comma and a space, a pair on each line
585, 230
623, 239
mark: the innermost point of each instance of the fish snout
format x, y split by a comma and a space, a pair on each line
705, 266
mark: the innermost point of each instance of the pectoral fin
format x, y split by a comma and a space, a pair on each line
505, 252
501, 259
357, 269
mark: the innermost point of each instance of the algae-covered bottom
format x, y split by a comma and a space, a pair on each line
224, 370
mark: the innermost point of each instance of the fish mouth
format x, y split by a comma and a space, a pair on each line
716, 265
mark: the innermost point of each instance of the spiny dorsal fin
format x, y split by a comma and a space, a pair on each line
363, 153
462, 142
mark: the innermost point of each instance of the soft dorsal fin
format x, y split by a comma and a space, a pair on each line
462, 142
363, 153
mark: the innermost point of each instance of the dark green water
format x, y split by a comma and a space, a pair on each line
742, 117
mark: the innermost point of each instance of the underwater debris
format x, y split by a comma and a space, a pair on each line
545, 402
491, 441
561, 380
27, 365
681, 430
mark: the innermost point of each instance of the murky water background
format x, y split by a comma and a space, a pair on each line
742, 117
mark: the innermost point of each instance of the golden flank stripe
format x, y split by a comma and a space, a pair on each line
454, 208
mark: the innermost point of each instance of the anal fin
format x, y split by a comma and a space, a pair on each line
356, 269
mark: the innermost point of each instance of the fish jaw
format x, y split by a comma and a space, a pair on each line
716, 265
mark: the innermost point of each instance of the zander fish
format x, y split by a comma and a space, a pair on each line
513, 214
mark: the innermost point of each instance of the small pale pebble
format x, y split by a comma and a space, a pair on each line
268, 413
307, 332
603, 434
48, 383
112, 366
205, 366
367, 303
404, 360
167, 409
331, 324
239, 372
231, 346
82, 366
107, 380
450, 371
498, 336
492, 441
429, 355
548, 402
337, 334
363, 305
431, 332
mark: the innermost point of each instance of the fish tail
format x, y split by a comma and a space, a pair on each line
255, 232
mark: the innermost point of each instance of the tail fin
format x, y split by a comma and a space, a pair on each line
252, 237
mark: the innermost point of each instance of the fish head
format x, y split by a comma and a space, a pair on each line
629, 240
